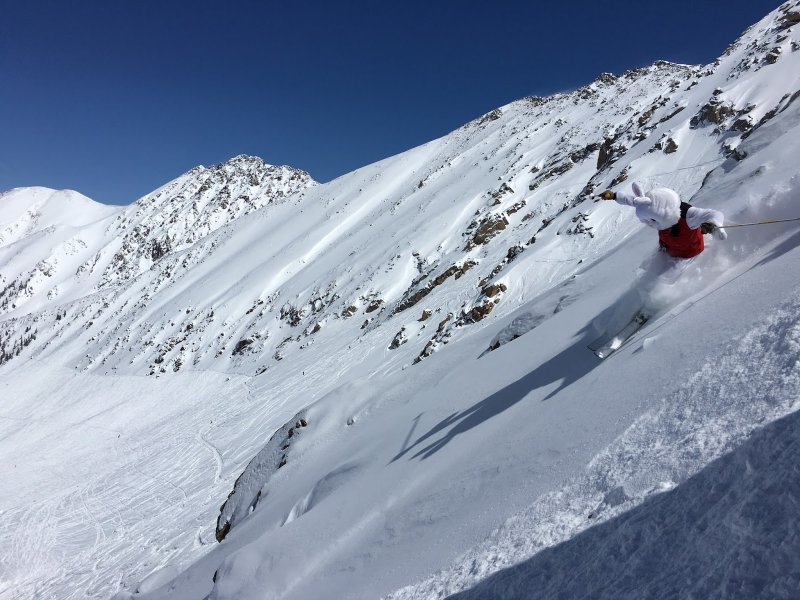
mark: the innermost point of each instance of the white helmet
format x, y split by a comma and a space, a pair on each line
659, 208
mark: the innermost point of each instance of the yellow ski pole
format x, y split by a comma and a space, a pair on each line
762, 223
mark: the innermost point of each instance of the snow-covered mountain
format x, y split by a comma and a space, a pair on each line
388, 373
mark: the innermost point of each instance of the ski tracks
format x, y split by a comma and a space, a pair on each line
201, 437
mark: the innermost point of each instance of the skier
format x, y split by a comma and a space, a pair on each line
680, 225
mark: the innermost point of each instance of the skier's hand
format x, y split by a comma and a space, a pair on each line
718, 232
608, 195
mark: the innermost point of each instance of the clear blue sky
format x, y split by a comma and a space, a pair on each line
115, 98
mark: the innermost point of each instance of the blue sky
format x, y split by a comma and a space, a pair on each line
114, 98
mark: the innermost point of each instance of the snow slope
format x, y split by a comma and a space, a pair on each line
340, 334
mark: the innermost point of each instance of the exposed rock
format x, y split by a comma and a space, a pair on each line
770, 114
374, 306
159, 248
580, 220
411, 298
737, 154
545, 222
583, 153
468, 264
789, 19
281, 347
743, 124
516, 207
610, 152
607, 78
672, 114
555, 171
193, 206
480, 312
488, 117
504, 189
586, 192
425, 315
399, 339
621, 176
714, 111
440, 337
670, 146
247, 490
241, 345
493, 290
646, 116
349, 311
513, 252
773, 56
487, 230
292, 315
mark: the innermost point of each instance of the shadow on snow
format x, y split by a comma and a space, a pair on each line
569, 366
730, 531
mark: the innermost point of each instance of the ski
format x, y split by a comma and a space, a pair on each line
606, 345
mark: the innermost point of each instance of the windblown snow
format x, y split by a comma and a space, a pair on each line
251, 385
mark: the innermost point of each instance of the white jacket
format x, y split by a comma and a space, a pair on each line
661, 209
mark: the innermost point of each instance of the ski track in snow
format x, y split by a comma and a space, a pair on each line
214, 453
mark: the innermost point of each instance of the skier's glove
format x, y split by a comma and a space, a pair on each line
608, 195
718, 232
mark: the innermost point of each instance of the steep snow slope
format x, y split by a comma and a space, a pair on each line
393, 478
361, 308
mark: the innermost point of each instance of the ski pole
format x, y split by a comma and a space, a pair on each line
762, 223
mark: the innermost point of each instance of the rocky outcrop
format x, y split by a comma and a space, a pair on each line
487, 229
439, 338
714, 111
241, 345
399, 339
773, 56
374, 305
579, 225
490, 291
670, 146
247, 489
412, 296
561, 167
610, 152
